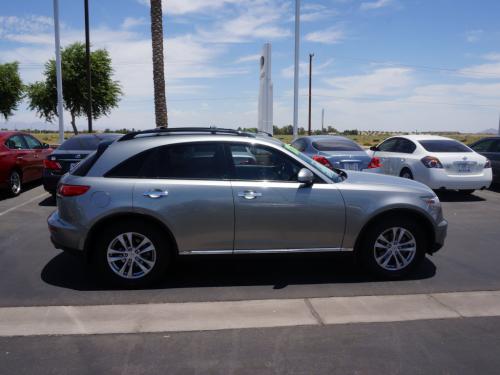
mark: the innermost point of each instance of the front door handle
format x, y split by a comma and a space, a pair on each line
156, 193
249, 194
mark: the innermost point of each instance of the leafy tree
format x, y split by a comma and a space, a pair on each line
106, 92
158, 65
11, 89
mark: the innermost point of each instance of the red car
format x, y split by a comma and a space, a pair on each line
21, 160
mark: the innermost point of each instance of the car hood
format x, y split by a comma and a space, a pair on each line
393, 183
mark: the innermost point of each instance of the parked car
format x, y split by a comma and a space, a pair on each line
136, 203
335, 152
490, 148
68, 155
21, 160
439, 162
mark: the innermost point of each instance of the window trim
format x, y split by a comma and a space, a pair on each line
396, 139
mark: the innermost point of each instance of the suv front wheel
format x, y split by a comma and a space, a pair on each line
132, 254
393, 247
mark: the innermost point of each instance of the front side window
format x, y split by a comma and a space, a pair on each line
16, 142
32, 142
444, 145
262, 164
389, 145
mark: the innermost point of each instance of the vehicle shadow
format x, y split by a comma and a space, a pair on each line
26, 187
69, 271
454, 196
48, 202
495, 188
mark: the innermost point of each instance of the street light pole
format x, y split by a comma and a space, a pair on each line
296, 70
322, 120
60, 109
87, 63
311, 55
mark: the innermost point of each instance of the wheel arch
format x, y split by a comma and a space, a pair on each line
100, 225
399, 212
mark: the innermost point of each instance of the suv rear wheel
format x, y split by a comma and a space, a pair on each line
132, 254
393, 247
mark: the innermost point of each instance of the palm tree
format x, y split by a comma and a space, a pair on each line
158, 65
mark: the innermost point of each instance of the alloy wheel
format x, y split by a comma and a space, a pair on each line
394, 249
15, 183
131, 255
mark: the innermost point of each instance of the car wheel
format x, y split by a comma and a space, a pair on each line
467, 192
132, 254
393, 247
406, 173
14, 183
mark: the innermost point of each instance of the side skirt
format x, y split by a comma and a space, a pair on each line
268, 251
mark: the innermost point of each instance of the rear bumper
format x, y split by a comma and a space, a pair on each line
440, 179
63, 235
50, 181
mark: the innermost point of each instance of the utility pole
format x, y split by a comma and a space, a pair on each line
87, 63
311, 55
60, 109
322, 120
296, 71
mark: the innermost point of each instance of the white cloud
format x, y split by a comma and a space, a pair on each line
375, 4
489, 70
473, 36
131, 22
331, 35
249, 58
181, 7
26, 24
304, 69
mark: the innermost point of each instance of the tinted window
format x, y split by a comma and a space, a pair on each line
16, 142
405, 146
444, 145
299, 144
336, 145
32, 142
389, 145
496, 146
483, 146
265, 164
183, 161
84, 143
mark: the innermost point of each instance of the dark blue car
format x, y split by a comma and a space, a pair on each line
334, 152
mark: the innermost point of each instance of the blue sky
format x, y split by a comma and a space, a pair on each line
379, 64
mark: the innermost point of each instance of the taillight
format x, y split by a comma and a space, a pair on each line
487, 164
72, 190
52, 164
375, 163
431, 162
322, 160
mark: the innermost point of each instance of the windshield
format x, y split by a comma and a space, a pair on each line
85, 143
440, 145
326, 171
336, 145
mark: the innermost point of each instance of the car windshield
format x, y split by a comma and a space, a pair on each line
332, 175
84, 143
336, 145
444, 145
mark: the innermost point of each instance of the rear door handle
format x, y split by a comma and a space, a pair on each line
249, 194
156, 193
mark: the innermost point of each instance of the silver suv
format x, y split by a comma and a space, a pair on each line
138, 202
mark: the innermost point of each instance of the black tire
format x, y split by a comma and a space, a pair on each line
161, 260
467, 191
406, 173
14, 183
366, 252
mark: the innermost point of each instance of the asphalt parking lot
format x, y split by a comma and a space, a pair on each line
33, 273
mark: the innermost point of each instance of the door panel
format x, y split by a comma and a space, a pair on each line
283, 215
199, 213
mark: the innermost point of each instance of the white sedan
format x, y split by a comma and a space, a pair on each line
438, 162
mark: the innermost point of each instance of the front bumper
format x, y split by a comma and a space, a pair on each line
439, 236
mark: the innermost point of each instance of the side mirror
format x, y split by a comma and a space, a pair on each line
305, 176
374, 148
45, 145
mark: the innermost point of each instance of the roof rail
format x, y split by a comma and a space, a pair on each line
163, 130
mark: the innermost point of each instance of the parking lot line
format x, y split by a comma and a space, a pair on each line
201, 316
22, 204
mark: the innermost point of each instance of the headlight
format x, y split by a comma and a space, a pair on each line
433, 206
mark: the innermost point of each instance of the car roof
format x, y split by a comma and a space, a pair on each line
325, 137
424, 137
8, 133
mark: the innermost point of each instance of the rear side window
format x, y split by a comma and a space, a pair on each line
80, 143
336, 145
84, 166
405, 146
440, 145
203, 161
